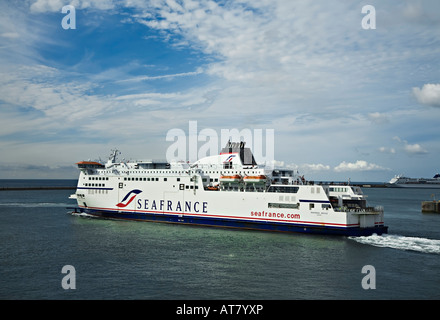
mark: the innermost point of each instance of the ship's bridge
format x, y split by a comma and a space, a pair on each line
233, 156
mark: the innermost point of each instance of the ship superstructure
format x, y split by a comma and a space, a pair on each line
225, 190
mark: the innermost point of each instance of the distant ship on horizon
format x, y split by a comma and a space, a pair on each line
401, 181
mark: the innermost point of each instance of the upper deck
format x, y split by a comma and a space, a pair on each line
233, 170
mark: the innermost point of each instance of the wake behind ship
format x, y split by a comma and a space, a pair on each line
226, 190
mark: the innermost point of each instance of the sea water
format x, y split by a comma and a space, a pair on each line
144, 260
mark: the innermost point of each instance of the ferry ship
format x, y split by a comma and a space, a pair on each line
401, 181
226, 190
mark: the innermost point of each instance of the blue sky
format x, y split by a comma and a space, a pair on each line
344, 102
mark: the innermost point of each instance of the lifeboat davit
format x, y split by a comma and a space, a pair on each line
255, 179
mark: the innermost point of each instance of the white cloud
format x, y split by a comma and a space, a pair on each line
359, 165
47, 5
387, 150
429, 94
10, 35
315, 167
40, 6
378, 118
411, 149
306, 167
166, 76
270, 50
422, 12
53, 98
415, 149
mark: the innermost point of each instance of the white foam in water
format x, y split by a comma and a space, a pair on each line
401, 242
82, 214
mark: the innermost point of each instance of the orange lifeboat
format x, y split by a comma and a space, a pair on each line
234, 178
255, 179
89, 165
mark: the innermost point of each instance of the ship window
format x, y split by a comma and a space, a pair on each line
311, 206
164, 179
283, 205
178, 179
284, 189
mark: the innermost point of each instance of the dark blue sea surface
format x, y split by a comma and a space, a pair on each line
143, 260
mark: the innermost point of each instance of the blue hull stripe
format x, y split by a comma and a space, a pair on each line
237, 223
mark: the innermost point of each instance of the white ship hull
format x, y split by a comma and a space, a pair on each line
415, 185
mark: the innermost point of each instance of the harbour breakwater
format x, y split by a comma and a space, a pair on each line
36, 188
